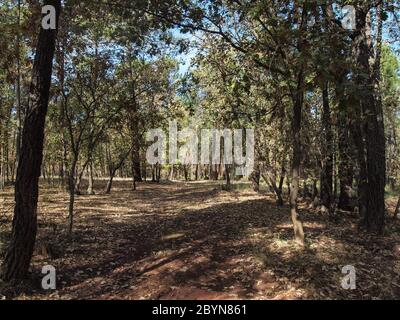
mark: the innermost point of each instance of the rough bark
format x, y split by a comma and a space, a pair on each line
371, 107
19, 252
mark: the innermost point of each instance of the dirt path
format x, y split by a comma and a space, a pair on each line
195, 241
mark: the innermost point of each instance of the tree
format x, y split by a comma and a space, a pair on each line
20, 249
372, 127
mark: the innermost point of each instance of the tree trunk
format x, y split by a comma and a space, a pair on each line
136, 164
158, 172
153, 174
19, 252
18, 90
171, 173
346, 166
346, 144
78, 180
227, 175
196, 172
113, 170
327, 166
110, 181
185, 172
64, 161
134, 131
90, 190
297, 152
346, 187
280, 187
371, 106
255, 177
72, 192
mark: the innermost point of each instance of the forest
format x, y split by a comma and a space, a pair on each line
199, 150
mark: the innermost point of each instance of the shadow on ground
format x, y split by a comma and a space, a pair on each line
195, 241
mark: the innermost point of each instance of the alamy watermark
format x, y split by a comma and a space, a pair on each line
49, 280
349, 281
49, 20
217, 146
348, 17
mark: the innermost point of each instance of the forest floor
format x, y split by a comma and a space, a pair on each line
197, 241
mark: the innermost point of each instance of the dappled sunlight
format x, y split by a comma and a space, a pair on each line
168, 241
